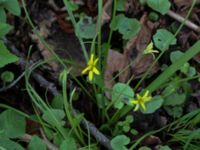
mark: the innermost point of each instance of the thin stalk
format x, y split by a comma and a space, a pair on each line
156, 60
72, 18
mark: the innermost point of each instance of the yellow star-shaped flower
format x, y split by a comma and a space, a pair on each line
91, 67
149, 49
141, 100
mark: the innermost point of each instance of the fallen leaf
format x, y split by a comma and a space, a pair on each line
116, 62
135, 47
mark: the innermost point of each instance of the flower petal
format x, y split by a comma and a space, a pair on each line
85, 70
143, 106
96, 71
90, 75
134, 102
95, 61
136, 108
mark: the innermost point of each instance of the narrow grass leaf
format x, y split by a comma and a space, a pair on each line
190, 53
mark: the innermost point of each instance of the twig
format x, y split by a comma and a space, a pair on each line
100, 137
188, 23
27, 138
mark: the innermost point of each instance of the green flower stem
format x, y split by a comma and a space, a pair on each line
169, 71
156, 60
72, 18
100, 5
68, 108
109, 38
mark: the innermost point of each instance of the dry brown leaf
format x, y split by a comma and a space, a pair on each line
116, 62
135, 47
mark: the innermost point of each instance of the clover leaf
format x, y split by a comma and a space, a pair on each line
119, 142
128, 27
161, 6
69, 143
120, 93
163, 39
7, 144
53, 115
12, 124
154, 104
85, 28
36, 144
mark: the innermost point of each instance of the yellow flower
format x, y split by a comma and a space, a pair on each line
149, 49
141, 100
91, 67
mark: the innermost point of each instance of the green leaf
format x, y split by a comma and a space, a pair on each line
69, 143
36, 144
161, 6
13, 7
163, 77
72, 6
119, 142
85, 28
12, 124
7, 76
175, 111
121, 92
5, 56
164, 148
163, 39
186, 68
151, 106
101, 100
9, 145
53, 116
144, 148
57, 102
121, 5
191, 72
129, 119
174, 56
2, 15
4, 29
128, 27
175, 99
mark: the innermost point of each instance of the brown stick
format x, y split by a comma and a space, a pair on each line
100, 137
181, 19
